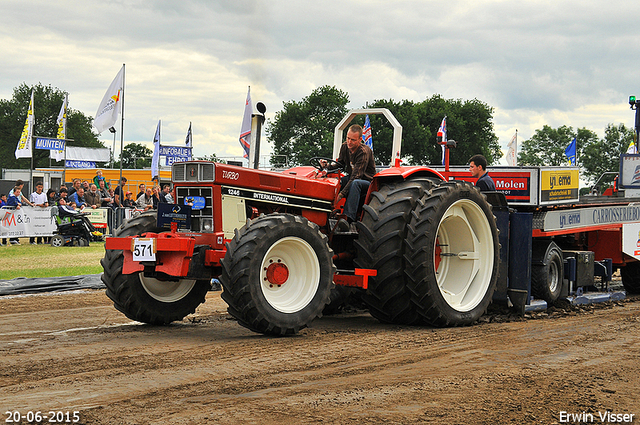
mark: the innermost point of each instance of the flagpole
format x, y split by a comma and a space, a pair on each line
122, 127
31, 141
31, 169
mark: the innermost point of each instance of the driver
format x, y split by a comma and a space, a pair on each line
357, 160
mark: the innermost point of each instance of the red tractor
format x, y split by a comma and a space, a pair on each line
426, 250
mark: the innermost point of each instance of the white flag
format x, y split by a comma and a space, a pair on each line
109, 107
23, 150
631, 148
512, 151
156, 154
245, 130
62, 129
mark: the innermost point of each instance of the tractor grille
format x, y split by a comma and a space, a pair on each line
201, 220
192, 172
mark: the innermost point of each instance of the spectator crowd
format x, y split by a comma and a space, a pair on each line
83, 195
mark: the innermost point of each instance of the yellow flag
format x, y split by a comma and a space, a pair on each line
23, 150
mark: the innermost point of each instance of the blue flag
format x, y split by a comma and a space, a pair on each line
366, 133
570, 151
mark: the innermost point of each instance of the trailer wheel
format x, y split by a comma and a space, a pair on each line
631, 277
380, 246
277, 274
452, 254
144, 299
547, 272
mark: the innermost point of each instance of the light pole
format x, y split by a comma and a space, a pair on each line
113, 151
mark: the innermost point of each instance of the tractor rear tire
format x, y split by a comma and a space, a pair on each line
547, 269
145, 299
277, 274
380, 246
631, 277
452, 254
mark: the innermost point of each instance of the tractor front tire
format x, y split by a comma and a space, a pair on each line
145, 299
452, 254
277, 274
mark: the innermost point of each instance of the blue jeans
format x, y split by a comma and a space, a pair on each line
357, 188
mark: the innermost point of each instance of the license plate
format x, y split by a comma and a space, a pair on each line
144, 249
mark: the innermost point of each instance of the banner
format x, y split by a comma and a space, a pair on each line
171, 159
108, 109
47, 143
87, 154
175, 151
69, 163
98, 217
26, 222
23, 150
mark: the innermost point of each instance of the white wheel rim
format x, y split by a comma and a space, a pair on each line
294, 293
466, 255
167, 291
553, 276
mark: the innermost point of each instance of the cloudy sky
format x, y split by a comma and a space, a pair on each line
536, 62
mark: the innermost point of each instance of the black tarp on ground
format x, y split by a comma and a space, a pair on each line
23, 285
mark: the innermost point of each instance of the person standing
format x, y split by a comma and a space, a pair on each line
105, 197
128, 202
142, 190
145, 201
38, 199
76, 199
92, 197
166, 191
98, 177
77, 183
118, 194
158, 197
478, 169
23, 199
14, 200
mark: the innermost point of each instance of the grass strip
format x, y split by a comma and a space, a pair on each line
26, 260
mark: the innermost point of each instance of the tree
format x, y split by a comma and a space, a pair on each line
302, 130
211, 157
305, 129
468, 122
136, 155
547, 145
603, 155
47, 104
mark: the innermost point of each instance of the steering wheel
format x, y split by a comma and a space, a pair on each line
315, 162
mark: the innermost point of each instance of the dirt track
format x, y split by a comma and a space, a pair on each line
75, 352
